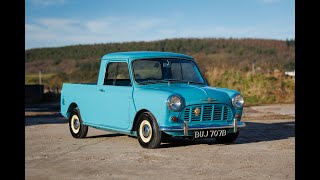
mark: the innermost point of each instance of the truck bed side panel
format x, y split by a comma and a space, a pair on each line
83, 95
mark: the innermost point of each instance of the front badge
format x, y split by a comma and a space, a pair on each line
197, 111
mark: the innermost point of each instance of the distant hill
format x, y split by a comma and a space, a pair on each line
267, 54
221, 60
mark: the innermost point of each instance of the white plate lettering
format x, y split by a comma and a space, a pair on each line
209, 133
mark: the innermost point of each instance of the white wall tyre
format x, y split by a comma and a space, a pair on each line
75, 123
146, 130
149, 135
77, 129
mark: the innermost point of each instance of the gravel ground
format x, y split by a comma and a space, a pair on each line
265, 149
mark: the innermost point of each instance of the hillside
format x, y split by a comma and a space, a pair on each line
253, 66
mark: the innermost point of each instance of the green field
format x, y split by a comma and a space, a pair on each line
256, 88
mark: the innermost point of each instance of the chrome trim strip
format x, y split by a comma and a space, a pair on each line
201, 128
209, 100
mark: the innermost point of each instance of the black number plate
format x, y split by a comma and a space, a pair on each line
198, 134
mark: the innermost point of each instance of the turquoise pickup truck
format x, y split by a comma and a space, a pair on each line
153, 96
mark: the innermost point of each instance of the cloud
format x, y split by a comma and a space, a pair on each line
57, 32
47, 2
98, 26
49, 32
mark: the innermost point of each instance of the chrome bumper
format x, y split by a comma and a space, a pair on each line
185, 128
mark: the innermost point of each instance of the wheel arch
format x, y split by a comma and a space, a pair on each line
134, 126
71, 107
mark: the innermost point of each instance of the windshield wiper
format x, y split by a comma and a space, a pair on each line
189, 82
173, 80
193, 82
153, 81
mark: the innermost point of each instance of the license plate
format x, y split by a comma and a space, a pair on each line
198, 134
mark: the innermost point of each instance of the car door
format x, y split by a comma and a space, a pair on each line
115, 96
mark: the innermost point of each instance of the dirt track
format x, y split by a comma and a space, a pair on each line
265, 149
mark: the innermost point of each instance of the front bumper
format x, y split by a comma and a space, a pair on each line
187, 130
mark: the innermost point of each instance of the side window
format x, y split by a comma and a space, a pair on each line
117, 74
111, 74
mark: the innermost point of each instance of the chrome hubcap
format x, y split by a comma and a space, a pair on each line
76, 123
146, 131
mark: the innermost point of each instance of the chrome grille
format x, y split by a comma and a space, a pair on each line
212, 112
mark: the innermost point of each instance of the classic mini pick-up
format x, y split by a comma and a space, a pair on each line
153, 96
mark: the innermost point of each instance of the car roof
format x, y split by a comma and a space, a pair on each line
132, 55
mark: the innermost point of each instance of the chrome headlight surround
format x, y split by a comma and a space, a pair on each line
237, 101
175, 102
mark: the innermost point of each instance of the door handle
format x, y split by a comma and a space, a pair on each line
102, 90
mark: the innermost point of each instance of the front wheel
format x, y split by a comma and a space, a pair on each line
229, 138
149, 135
77, 129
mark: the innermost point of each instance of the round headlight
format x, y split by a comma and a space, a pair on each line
237, 101
175, 103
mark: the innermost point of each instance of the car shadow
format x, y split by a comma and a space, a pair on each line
258, 132
253, 132
106, 136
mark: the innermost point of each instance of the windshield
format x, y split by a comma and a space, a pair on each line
164, 70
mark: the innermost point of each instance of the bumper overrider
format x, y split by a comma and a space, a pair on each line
235, 124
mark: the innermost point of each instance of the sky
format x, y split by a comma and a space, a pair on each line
54, 23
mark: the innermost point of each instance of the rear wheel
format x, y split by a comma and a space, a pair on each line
149, 135
228, 139
77, 129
